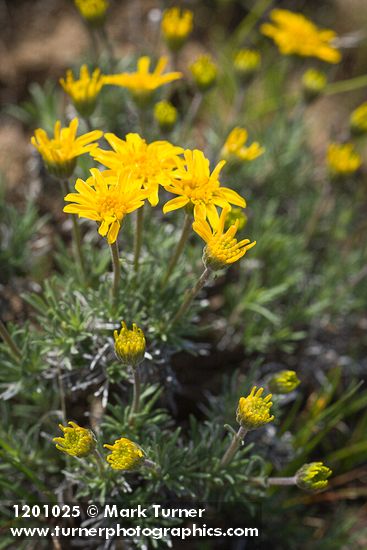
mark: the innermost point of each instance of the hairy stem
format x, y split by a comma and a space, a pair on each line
99, 461
76, 233
138, 237
190, 295
179, 248
233, 447
136, 392
116, 271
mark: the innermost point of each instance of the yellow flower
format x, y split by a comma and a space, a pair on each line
313, 476
253, 410
200, 189
284, 381
293, 33
76, 441
142, 83
130, 345
342, 159
246, 63
176, 27
234, 147
205, 72
125, 455
165, 114
222, 248
83, 91
358, 119
106, 199
314, 83
150, 164
59, 153
93, 11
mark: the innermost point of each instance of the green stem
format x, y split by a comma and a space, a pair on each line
233, 447
116, 271
108, 46
283, 481
191, 295
191, 115
346, 85
136, 395
99, 461
8, 339
179, 248
138, 237
76, 233
62, 393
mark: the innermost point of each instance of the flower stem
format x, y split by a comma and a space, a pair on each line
76, 233
108, 46
179, 248
281, 481
191, 115
138, 237
136, 395
99, 461
8, 339
116, 270
190, 295
233, 447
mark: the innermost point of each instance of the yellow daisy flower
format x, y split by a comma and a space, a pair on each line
222, 248
204, 72
293, 33
76, 441
151, 164
342, 159
199, 188
125, 455
106, 201
234, 147
176, 27
59, 153
254, 411
83, 91
130, 345
143, 83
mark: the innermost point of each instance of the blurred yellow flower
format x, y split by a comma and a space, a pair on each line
246, 62
130, 345
293, 33
342, 159
143, 83
222, 248
125, 455
233, 215
199, 188
313, 477
93, 11
151, 164
205, 72
358, 119
59, 153
83, 91
107, 200
76, 441
254, 411
176, 27
284, 381
314, 83
165, 114
234, 147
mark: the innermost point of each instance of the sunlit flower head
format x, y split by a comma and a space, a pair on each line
176, 27
235, 149
198, 188
130, 345
93, 11
246, 63
222, 248
204, 72
314, 83
125, 455
151, 164
165, 114
106, 200
284, 381
313, 477
254, 411
143, 83
358, 119
83, 91
76, 441
59, 153
293, 33
342, 159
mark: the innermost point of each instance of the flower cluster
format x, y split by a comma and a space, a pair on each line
125, 455
313, 477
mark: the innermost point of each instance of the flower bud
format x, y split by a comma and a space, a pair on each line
284, 381
176, 27
313, 476
125, 455
342, 159
76, 441
246, 64
130, 345
205, 72
358, 120
313, 83
93, 11
253, 410
236, 215
166, 115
